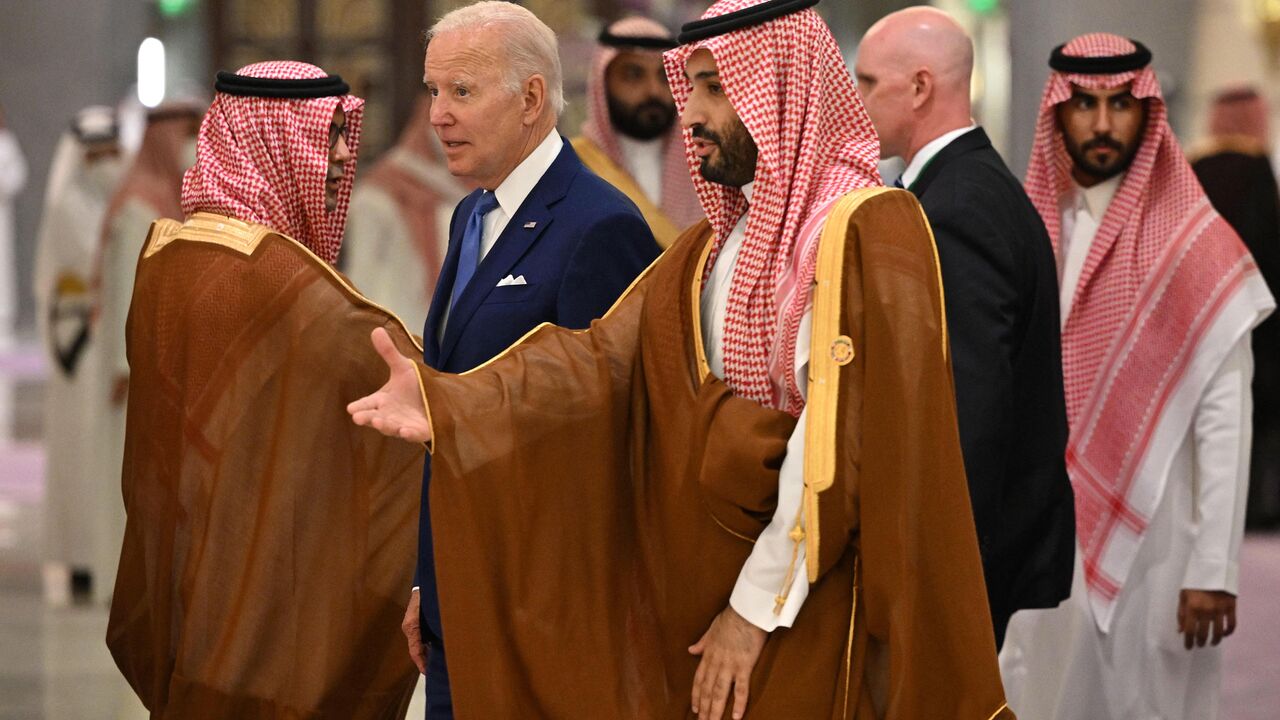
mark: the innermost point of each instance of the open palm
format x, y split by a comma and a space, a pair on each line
396, 409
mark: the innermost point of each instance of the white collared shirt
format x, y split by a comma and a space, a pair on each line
513, 191
1082, 213
643, 161
928, 152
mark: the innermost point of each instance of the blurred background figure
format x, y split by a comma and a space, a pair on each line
630, 137
151, 189
1234, 166
398, 226
87, 167
13, 177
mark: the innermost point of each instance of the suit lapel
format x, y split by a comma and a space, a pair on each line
973, 140
444, 283
523, 230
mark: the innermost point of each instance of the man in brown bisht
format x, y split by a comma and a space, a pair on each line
630, 137
741, 491
268, 544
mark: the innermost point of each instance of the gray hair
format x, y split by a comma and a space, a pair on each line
531, 47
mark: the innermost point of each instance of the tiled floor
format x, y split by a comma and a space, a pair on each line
54, 664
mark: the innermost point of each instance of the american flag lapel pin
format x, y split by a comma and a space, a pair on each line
531, 225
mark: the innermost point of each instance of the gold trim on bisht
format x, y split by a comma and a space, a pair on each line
664, 230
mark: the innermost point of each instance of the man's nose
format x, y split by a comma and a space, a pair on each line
440, 115
1102, 120
692, 115
341, 151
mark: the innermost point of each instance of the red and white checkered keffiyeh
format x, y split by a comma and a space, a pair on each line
264, 160
1167, 289
790, 86
678, 200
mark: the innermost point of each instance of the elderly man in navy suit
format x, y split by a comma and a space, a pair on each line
543, 240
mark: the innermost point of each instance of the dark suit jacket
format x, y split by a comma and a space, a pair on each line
1000, 284
578, 242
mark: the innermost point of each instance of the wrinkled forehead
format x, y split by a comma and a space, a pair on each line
457, 53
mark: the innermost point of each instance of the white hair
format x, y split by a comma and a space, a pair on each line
530, 47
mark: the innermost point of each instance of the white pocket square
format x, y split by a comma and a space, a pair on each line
508, 280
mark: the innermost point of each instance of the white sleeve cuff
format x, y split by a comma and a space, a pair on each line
756, 604
1203, 574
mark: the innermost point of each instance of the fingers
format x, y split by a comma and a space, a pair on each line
697, 685
1203, 623
1231, 621
385, 347
741, 685
412, 629
720, 692
1218, 622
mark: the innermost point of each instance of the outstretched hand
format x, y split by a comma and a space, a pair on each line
396, 409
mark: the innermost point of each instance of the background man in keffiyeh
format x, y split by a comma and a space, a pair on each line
1158, 300
80, 545
398, 229
724, 495
1234, 165
630, 137
267, 547
998, 275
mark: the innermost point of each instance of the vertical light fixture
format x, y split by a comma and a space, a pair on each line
151, 72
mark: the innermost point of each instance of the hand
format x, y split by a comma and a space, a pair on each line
1200, 610
411, 626
120, 390
396, 408
729, 650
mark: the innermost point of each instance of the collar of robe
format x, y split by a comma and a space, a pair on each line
245, 86
747, 17
1111, 65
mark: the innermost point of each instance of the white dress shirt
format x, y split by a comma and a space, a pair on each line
928, 152
643, 161
511, 195
1082, 214
764, 576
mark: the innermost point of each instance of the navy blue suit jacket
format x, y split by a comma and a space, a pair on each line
578, 242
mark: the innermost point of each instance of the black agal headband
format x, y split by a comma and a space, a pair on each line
744, 18
1076, 65
327, 86
627, 41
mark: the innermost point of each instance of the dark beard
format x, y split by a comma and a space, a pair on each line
649, 120
1079, 156
738, 155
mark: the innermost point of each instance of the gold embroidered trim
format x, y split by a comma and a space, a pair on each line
699, 349
1001, 709
942, 300
664, 230
797, 537
848, 648
731, 531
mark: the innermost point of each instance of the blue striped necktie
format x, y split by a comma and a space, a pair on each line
469, 253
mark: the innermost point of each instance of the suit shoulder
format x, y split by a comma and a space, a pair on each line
595, 195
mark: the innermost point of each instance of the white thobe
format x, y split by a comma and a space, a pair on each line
763, 578
13, 177
78, 532
381, 255
643, 161
1057, 664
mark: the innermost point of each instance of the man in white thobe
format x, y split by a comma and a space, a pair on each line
87, 166
1158, 299
13, 177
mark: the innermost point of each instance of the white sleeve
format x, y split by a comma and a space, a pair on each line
1223, 434
13, 167
128, 232
774, 581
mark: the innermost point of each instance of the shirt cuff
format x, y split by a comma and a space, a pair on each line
756, 604
1203, 574
416, 588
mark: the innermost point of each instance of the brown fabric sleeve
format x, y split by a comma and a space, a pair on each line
269, 542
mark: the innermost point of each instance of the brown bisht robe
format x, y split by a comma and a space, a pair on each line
270, 543
597, 493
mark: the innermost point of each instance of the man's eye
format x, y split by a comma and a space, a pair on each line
714, 89
1122, 103
433, 92
462, 92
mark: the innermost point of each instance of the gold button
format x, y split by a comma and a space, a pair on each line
842, 350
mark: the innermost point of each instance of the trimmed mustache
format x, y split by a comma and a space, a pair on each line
1105, 141
702, 133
